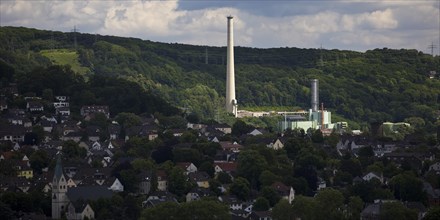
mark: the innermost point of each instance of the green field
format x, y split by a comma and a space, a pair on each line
65, 57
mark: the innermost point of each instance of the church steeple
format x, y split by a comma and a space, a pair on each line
59, 190
58, 168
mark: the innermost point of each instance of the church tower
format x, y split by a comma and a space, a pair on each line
59, 191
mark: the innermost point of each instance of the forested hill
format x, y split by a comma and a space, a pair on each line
375, 86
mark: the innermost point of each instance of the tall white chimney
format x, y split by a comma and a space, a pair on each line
231, 102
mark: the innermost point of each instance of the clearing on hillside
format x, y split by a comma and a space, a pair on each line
65, 57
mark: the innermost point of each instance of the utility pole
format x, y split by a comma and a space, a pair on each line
206, 55
74, 36
52, 42
432, 46
321, 61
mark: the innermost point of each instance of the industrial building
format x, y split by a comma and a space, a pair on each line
315, 119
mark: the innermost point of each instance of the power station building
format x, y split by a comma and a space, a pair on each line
315, 119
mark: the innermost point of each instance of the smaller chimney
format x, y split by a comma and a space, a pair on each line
315, 95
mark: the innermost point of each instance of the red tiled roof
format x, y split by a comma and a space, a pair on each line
227, 166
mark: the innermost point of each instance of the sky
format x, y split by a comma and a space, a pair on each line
358, 25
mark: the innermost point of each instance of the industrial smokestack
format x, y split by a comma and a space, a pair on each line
231, 102
315, 95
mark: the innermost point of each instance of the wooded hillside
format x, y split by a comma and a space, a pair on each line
375, 86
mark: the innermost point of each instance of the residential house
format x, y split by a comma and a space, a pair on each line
229, 146
114, 131
201, 178
13, 133
260, 215
86, 193
413, 159
24, 169
62, 98
187, 166
224, 166
61, 102
198, 193
372, 175
149, 131
175, 132
162, 180
321, 184
284, 191
255, 132
93, 132
79, 210
233, 202
47, 125
34, 106
435, 167
211, 132
63, 111
115, 185
433, 194
74, 136
373, 211
92, 109
157, 198
3, 105
145, 182
225, 128
195, 126
277, 144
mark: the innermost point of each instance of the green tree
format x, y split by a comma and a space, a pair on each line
261, 204
240, 127
283, 211
433, 213
72, 150
305, 208
202, 209
177, 182
47, 94
128, 119
208, 167
241, 188
130, 180
39, 160
330, 203
396, 210
214, 185
224, 178
166, 210
271, 195
355, 205
250, 165
408, 187
267, 178
317, 136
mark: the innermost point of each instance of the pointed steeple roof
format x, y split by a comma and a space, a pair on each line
58, 167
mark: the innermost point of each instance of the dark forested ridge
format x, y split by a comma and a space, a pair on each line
375, 86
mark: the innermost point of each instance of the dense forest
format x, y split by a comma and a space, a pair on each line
363, 88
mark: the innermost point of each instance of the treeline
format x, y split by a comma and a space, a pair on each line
375, 86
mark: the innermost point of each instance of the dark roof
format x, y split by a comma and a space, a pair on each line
88, 193
199, 176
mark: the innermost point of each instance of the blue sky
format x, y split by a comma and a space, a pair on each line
334, 24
